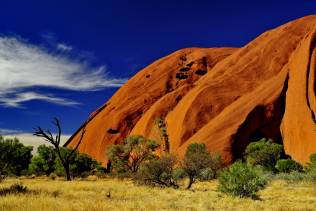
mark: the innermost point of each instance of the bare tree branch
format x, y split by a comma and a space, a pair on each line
48, 136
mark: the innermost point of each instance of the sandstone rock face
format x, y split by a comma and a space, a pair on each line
223, 97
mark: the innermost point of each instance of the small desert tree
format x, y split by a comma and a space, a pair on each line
14, 157
64, 158
128, 157
198, 160
81, 165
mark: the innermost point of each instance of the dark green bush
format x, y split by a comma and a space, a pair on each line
311, 165
287, 165
38, 166
14, 157
311, 168
240, 180
264, 153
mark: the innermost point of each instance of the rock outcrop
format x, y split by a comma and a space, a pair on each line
223, 97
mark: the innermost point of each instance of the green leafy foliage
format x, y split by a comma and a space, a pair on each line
240, 180
47, 163
81, 165
159, 172
44, 162
160, 122
292, 176
199, 164
127, 157
264, 153
14, 157
287, 166
311, 167
38, 166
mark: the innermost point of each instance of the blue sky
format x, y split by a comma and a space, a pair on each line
66, 58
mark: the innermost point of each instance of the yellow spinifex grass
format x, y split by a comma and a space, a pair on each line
93, 195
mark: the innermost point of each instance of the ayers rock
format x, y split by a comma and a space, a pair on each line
223, 97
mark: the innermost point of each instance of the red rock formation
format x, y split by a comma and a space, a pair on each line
222, 97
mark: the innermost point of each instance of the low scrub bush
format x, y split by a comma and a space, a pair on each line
287, 166
311, 168
264, 173
158, 172
240, 180
292, 176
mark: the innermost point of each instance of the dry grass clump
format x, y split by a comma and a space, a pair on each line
124, 195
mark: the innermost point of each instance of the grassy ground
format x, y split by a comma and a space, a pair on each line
91, 195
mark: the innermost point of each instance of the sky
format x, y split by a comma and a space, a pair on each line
64, 59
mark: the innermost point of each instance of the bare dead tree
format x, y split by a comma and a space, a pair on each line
55, 141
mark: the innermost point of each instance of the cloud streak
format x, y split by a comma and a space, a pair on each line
17, 99
5, 132
64, 47
24, 66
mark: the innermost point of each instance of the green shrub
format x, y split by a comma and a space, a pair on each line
264, 173
312, 162
198, 162
14, 157
287, 165
126, 158
240, 180
207, 174
178, 174
160, 122
311, 168
264, 153
38, 166
292, 176
48, 154
158, 172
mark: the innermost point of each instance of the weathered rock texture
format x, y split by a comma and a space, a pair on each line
222, 97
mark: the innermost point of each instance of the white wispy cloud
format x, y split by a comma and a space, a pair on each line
64, 47
24, 66
17, 99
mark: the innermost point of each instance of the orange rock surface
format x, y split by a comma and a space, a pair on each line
223, 97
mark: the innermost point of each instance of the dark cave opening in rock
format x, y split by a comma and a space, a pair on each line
262, 122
